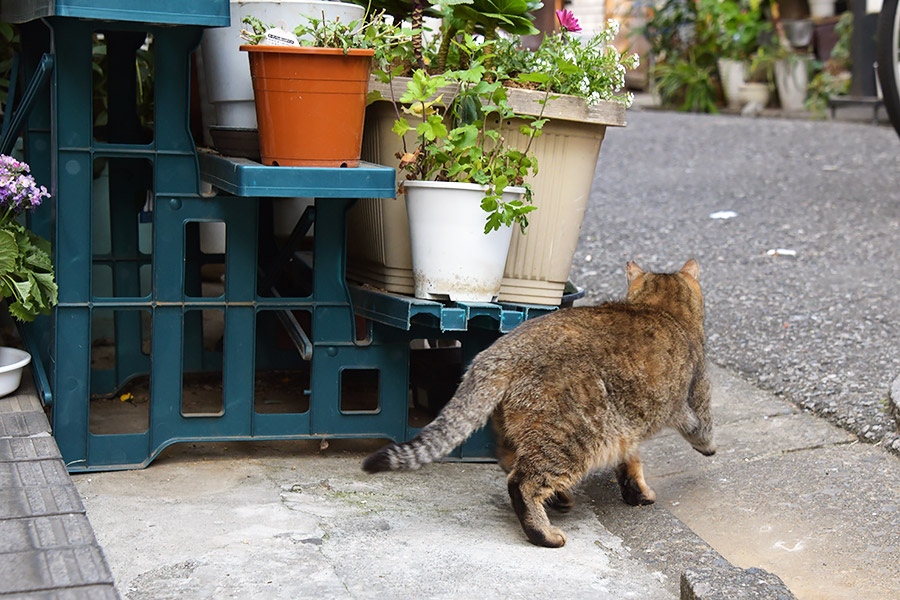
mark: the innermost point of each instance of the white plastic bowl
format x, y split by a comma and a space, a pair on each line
12, 361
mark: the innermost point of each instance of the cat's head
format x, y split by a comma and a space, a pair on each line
678, 293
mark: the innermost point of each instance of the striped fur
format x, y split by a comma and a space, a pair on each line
577, 390
470, 408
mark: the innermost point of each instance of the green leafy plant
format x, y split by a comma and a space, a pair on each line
738, 27
832, 78
691, 86
413, 11
372, 33
685, 42
464, 142
26, 271
590, 68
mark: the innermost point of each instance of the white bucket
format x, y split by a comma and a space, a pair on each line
733, 74
12, 361
227, 69
821, 9
452, 257
791, 80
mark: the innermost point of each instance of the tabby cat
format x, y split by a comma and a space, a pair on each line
577, 390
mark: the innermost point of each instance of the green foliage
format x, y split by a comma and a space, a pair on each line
832, 78
485, 17
687, 38
325, 33
464, 143
26, 272
590, 68
687, 84
685, 43
738, 27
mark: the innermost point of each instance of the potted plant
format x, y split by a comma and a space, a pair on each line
738, 27
310, 95
684, 52
583, 78
786, 66
225, 72
579, 85
834, 77
26, 270
465, 183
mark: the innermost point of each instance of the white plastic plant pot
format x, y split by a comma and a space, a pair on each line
821, 9
227, 69
452, 257
757, 93
12, 362
791, 79
733, 74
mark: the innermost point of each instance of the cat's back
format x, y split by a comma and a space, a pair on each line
613, 327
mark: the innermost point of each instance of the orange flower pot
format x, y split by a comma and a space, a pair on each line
310, 104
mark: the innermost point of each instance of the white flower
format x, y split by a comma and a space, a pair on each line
613, 26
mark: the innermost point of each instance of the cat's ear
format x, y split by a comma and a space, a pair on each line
632, 271
692, 268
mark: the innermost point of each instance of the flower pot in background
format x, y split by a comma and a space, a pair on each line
310, 104
733, 74
791, 80
820, 9
755, 93
452, 257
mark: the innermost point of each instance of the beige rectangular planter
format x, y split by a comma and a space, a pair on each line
539, 261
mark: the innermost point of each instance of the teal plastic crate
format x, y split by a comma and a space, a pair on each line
135, 277
209, 13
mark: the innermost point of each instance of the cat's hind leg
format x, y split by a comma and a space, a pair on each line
630, 475
562, 501
528, 495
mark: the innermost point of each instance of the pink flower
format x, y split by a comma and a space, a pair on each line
568, 21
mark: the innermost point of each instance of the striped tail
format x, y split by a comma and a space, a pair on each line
468, 410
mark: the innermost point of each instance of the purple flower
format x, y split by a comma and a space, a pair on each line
18, 190
567, 21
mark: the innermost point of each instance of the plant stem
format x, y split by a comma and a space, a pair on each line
444, 50
417, 16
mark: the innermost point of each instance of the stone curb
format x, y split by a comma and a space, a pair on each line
732, 583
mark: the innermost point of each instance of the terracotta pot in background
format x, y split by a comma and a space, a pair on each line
310, 104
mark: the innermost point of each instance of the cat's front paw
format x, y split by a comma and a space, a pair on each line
549, 538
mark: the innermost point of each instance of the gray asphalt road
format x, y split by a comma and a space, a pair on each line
822, 327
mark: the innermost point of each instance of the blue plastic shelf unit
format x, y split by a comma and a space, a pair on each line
151, 311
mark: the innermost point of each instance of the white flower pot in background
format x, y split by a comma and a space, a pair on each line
12, 362
821, 9
791, 79
452, 257
755, 93
733, 74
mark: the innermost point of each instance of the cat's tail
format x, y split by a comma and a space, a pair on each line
468, 410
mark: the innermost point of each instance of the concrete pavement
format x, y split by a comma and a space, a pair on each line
786, 492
